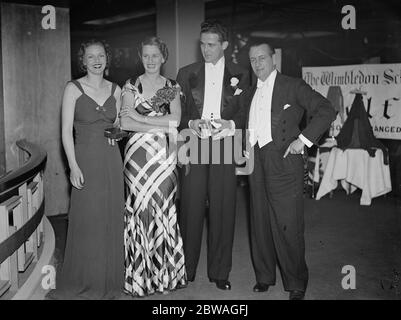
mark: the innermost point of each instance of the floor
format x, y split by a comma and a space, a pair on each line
22, 277
339, 232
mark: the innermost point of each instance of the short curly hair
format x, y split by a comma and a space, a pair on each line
154, 41
215, 26
85, 45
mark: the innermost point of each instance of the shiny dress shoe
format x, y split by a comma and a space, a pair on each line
260, 287
222, 284
297, 295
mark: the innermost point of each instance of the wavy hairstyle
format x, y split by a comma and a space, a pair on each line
154, 41
215, 26
85, 45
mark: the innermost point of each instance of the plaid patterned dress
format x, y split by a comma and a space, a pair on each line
154, 256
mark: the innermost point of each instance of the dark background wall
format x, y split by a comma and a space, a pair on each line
123, 41
309, 33
35, 65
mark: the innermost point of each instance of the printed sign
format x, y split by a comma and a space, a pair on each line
380, 82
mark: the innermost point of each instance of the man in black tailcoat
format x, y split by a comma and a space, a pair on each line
208, 87
272, 111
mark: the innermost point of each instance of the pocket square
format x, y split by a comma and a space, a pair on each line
237, 92
287, 106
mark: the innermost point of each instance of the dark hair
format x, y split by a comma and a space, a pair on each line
257, 43
85, 45
215, 26
154, 41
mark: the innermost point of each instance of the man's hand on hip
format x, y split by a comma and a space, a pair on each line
296, 147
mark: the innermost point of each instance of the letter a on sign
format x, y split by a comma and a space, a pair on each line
349, 281
49, 20
349, 21
49, 278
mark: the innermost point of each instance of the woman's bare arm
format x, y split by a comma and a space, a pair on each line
71, 94
129, 124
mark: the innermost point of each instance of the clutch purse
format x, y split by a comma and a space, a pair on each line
115, 133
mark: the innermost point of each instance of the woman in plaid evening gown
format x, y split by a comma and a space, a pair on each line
154, 256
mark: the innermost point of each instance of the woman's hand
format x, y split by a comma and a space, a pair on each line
127, 111
76, 177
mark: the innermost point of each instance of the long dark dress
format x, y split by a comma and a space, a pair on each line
154, 255
93, 265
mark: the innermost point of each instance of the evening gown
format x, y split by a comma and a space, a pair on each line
93, 265
154, 256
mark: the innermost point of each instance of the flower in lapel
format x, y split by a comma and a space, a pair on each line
234, 82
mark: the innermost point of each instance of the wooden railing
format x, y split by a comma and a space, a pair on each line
21, 214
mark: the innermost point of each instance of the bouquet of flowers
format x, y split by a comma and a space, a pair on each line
160, 102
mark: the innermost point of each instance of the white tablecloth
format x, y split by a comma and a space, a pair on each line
322, 158
356, 169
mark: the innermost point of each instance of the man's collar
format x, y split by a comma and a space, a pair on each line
218, 64
270, 79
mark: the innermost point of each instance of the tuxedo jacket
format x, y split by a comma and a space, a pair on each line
290, 99
192, 81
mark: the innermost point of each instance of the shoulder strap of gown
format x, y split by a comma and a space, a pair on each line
113, 88
76, 82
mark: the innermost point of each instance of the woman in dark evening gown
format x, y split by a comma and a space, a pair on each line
154, 256
93, 260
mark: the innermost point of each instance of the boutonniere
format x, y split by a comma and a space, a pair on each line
234, 82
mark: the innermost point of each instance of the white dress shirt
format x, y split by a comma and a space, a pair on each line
214, 74
260, 113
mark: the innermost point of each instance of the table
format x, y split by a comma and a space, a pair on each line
356, 169
321, 159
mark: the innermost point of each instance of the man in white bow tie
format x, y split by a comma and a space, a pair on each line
210, 87
273, 110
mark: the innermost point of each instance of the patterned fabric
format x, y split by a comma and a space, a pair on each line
154, 256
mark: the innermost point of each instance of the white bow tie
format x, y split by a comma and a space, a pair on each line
261, 83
